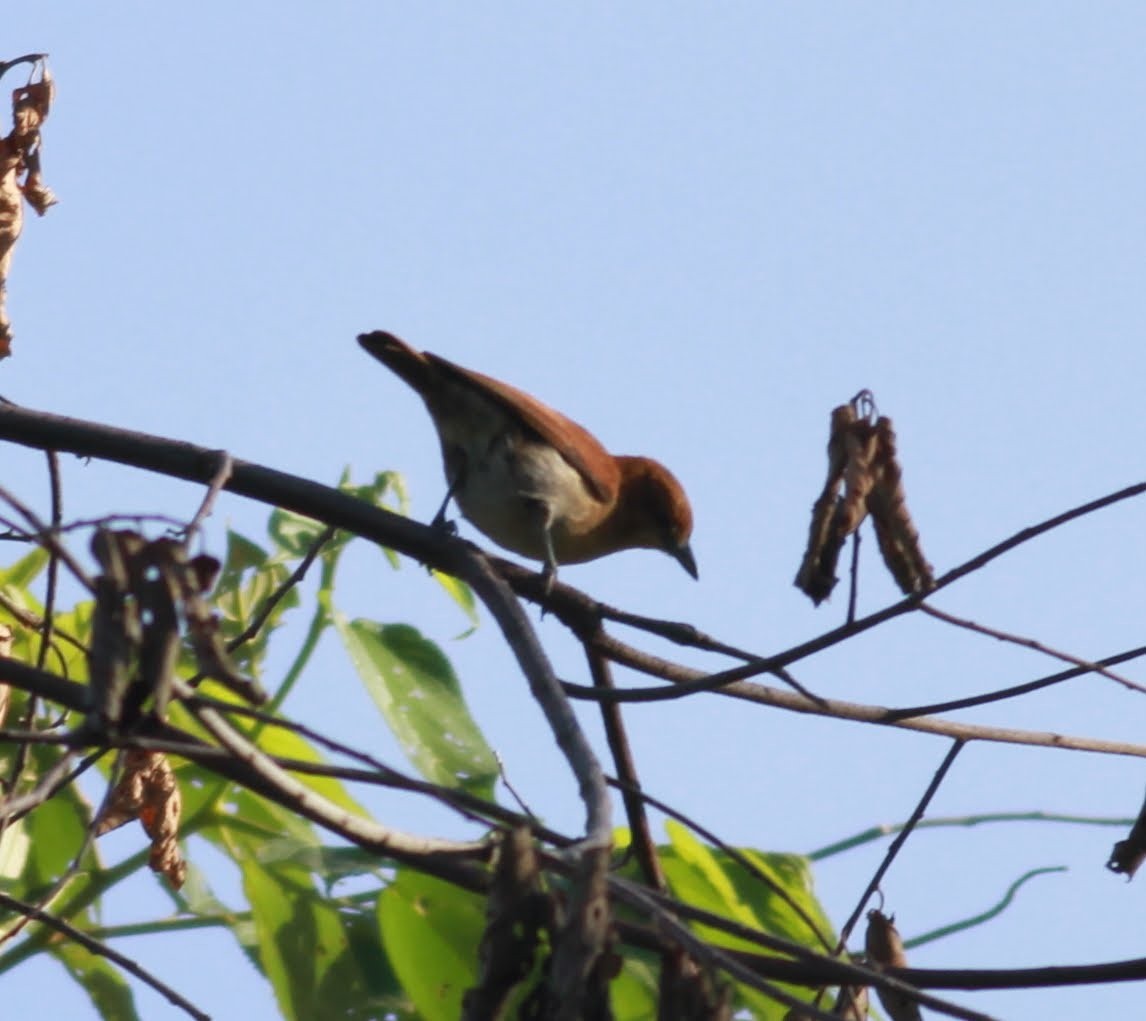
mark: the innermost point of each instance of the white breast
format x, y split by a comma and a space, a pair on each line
513, 488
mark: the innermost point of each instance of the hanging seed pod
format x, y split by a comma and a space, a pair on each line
885, 950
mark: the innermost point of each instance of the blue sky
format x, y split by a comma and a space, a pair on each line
695, 229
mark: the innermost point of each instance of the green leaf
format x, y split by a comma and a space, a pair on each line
431, 931
14, 847
696, 875
248, 578
384, 484
793, 874
22, 573
100, 979
633, 994
293, 534
461, 594
415, 688
713, 880
56, 828
302, 944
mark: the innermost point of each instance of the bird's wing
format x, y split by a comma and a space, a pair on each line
575, 443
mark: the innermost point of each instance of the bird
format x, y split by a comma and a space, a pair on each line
532, 480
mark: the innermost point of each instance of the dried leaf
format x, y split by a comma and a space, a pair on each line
37, 194
885, 950
149, 792
20, 157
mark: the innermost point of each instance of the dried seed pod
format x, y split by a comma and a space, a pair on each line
885, 950
116, 628
817, 574
894, 530
862, 458
1129, 854
862, 446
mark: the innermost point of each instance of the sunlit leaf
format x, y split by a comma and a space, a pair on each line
431, 932
248, 579
633, 993
414, 686
711, 879
461, 594
14, 846
293, 534
24, 571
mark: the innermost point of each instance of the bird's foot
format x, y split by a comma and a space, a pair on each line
443, 524
548, 579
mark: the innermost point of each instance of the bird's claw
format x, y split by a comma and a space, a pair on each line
443, 524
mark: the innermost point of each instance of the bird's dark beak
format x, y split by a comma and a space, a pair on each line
682, 554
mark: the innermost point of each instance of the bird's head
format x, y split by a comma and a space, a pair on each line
653, 511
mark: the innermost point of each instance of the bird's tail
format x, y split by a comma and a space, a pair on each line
411, 366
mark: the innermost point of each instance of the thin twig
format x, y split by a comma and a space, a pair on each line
56, 491
103, 950
873, 833
853, 589
46, 535
859, 712
277, 596
215, 486
504, 776
899, 841
34, 622
57, 777
1030, 643
583, 615
643, 844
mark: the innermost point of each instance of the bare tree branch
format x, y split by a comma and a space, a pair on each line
103, 950
429, 545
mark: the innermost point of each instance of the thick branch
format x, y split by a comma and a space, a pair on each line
430, 545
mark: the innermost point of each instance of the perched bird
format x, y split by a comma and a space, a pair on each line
531, 479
